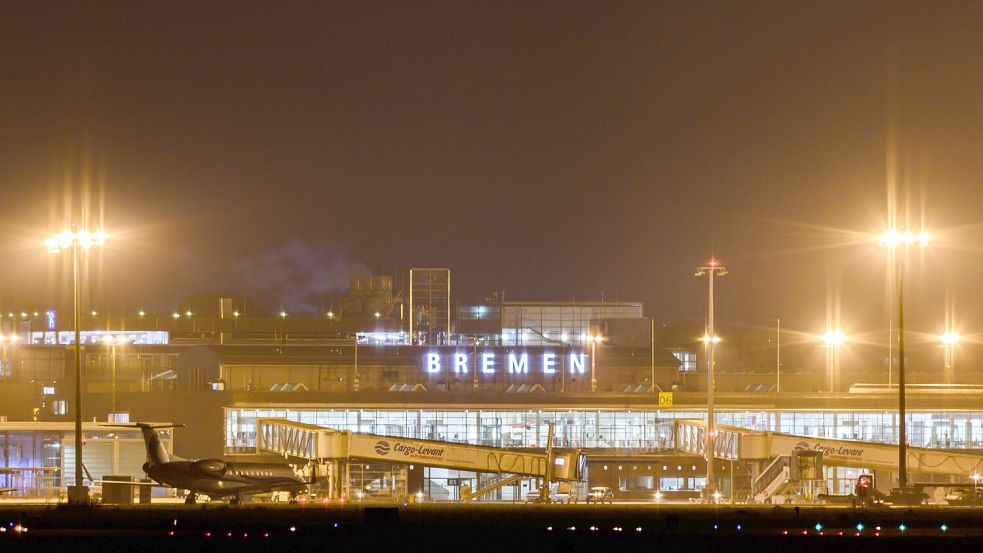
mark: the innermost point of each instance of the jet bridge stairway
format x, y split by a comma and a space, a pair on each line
772, 480
467, 494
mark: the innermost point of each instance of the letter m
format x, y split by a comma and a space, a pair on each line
520, 365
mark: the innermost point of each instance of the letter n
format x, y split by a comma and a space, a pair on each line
577, 363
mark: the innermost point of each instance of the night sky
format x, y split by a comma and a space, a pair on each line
555, 150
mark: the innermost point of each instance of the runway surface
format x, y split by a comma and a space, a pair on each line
502, 528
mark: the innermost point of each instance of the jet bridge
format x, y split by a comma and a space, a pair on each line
735, 443
327, 446
772, 452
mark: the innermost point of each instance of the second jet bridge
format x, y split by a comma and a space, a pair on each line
773, 456
744, 444
319, 444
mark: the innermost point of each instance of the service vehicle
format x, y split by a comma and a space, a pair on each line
600, 494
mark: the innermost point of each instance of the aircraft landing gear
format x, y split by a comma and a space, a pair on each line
191, 498
236, 500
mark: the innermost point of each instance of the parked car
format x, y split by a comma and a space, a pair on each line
600, 494
564, 497
966, 497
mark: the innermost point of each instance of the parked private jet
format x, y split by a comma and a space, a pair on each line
214, 478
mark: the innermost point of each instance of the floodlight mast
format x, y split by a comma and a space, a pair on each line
891, 239
76, 239
710, 339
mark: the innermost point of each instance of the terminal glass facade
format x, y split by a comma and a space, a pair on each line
628, 430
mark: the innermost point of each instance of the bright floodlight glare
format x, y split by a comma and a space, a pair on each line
706, 339
108, 338
82, 238
950, 338
833, 338
892, 238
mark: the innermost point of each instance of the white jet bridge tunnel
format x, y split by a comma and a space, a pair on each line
770, 453
329, 447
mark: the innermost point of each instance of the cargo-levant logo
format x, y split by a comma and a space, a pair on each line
382, 447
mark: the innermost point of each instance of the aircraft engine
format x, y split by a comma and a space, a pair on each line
210, 467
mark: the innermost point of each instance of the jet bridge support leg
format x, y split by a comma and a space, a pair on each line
332, 474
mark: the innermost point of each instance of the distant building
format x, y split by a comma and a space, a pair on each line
429, 305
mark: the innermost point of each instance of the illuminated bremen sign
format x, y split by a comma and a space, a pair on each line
489, 363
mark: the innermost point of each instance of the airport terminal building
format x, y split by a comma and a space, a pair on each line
497, 374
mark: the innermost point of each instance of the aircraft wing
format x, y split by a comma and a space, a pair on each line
131, 483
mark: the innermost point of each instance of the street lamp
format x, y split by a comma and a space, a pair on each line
833, 341
710, 339
949, 340
594, 340
76, 240
891, 239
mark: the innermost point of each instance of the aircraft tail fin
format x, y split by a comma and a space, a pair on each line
156, 452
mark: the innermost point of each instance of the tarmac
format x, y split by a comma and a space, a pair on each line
502, 528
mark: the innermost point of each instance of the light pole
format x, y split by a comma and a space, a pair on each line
778, 354
949, 340
112, 341
710, 340
76, 239
833, 340
594, 340
891, 239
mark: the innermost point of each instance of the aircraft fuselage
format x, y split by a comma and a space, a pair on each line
216, 478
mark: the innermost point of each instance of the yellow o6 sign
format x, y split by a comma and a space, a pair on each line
665, 399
